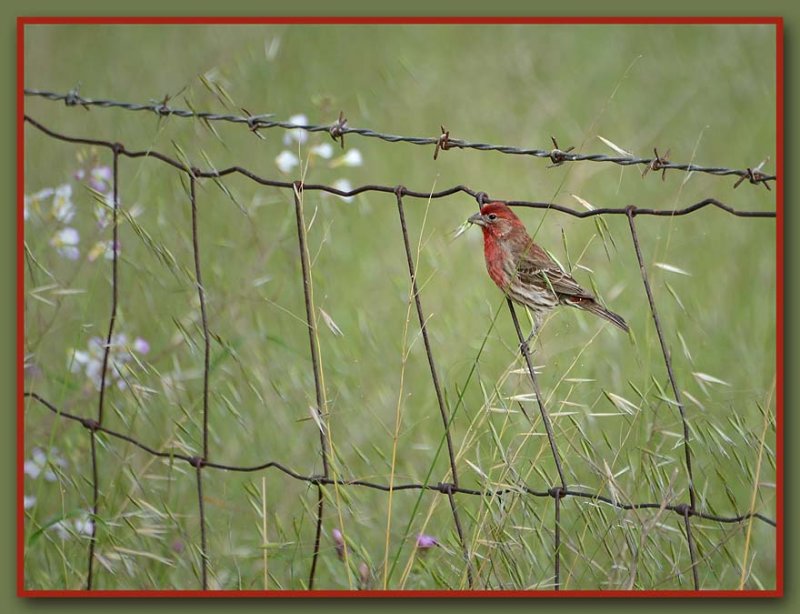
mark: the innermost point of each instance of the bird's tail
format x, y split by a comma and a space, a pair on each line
592, 306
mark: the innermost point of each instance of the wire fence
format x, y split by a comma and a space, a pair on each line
451, 489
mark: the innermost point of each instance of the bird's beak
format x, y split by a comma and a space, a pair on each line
477, 219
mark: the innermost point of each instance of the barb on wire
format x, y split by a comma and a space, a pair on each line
754, 176
337, 129
660, 163
558, 156
444, 488
442, 142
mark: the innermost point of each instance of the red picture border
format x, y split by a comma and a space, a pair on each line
338, 20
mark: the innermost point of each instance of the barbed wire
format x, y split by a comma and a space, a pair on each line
200, 463
339, 128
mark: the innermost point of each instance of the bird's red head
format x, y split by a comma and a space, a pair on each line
496, 220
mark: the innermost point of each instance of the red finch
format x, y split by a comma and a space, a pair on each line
524, 271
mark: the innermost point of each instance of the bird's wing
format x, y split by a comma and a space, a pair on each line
535, 267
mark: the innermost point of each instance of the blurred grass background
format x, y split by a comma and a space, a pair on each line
705, 92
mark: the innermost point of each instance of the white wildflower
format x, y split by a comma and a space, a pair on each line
343, 185
63, 209
286, 161
297, 135
323, 150
66, 243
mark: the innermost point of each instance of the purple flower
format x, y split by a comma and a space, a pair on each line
100, 179
120, 355
338, 542
141, 345
426, 542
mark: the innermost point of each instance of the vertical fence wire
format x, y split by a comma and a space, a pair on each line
114, 287
631, 213
556, 492
557, 541
692, 548
106, 355
202, 508
201, 295
548, 427
315, 363
436, 385
95, 497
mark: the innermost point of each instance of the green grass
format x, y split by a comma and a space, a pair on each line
705, 92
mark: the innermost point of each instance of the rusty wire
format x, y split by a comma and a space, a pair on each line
443, 487
687, 451
557, 493
218, 173
312, 337
106, 352
201, 294
339, 128
436, 385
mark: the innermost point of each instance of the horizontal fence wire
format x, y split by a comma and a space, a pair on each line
443, 487
686, 510
386, 189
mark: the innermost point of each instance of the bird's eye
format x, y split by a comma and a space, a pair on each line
492, 216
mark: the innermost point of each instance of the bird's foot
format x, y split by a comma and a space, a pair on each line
525, 346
